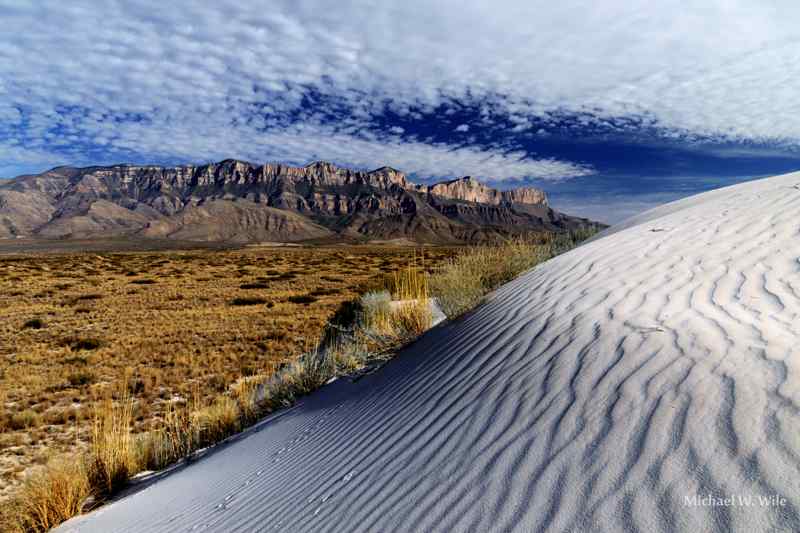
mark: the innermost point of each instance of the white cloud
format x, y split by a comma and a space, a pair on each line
462, 128
196, 73
611, 209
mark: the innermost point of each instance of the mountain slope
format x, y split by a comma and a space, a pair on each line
241, 221
240, 202
616, 387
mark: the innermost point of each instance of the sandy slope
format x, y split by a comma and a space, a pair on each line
595, 393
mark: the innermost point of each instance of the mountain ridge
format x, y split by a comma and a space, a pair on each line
316, 201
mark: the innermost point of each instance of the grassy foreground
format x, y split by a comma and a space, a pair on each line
366, 332
178, 327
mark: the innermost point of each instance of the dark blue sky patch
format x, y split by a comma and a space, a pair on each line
608, 111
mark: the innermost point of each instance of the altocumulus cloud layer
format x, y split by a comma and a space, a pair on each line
96, 82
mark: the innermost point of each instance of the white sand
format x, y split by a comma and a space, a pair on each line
595, 393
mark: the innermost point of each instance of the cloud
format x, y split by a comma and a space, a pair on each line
462, 128
192, 81
609, 208
421, 159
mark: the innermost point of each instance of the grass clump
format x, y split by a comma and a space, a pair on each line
112, 459
377, 309
48, 497
24, 420
461, 282
60, 490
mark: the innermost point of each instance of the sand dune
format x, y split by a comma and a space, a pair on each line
614, 388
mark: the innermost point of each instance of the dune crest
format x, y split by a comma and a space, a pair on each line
633, 384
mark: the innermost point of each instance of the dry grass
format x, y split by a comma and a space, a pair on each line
49, 496
111, 459
378, 326
461, 282
402, 311
180, 327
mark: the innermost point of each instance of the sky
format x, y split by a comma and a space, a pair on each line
611, 107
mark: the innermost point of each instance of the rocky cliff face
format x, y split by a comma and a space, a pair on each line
291, 203
469, 189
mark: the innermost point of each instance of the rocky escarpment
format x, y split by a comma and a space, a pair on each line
238, 201
471, 190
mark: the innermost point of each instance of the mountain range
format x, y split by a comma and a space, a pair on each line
240, 202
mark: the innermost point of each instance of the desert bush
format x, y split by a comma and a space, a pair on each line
407, 316
78, 344
173, 439
461, 282
304, 299
34, 323
87, 297
248, 300
412, 318
376, 309
80, 379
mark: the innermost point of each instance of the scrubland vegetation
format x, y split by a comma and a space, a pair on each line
367, 320
177, 328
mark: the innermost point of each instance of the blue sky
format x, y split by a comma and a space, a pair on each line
611, 107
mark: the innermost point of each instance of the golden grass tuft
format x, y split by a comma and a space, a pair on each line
112, 455
173, 439
461, 282
48, 497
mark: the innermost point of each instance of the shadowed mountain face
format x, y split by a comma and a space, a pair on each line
235, 201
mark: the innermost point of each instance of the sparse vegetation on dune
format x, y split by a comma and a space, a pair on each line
75, 327
461, 282
365, 331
